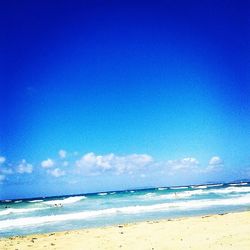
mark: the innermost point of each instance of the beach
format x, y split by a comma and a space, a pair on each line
221, 231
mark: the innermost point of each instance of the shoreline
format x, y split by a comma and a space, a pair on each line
214, 231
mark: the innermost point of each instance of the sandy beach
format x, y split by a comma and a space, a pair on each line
222, 231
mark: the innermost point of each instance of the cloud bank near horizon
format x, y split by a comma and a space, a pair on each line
68, 164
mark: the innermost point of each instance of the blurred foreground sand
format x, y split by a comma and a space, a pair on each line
225, 231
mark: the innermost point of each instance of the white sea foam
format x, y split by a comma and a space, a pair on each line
102, 194
113, 193
65, 201
215, 185
18, 201
20, 210
148, 195
186, 194
229, 190
161, 189
175, 188
192, 204
132, 191
178, 195
35, 201
216, 191
200, 186
238, 184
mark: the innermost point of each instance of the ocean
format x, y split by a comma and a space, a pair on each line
43, 215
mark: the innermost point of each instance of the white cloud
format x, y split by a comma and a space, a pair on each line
65, 163
24, 167
57, 172
112, 162
6, 171
47, 163
2, 178
62, 153
2, 160
192, 165
140, 165
215, 160
188, 163
214, 164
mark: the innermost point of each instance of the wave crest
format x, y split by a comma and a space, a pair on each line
20, 210
65, 201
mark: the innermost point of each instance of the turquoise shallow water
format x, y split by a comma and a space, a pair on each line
42, 215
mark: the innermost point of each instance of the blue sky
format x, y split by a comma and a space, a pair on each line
99, 95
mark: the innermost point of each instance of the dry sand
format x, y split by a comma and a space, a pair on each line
225, 231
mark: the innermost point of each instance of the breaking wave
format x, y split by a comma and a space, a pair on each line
65, 201
102, 194
215, 185
176, 188
186, 194
35, 201
201, 186
20, 210
238, 184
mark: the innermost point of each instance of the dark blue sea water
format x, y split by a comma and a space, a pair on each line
22, 217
